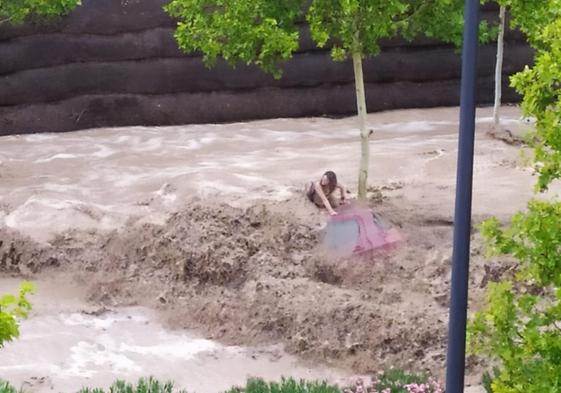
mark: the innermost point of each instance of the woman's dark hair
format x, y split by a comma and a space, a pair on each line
332, 177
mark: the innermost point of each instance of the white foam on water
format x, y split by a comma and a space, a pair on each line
126, 179
22, 366
244, 165
103, 151
39, 216
166, 197
191, 145
209, 186
252, 178
208, 139
52, 203
163, 173
243, 138
506, 120
327, 133
116, 342
180, 347
151, 144
209, 164
63, 188
412, 126
128, 139
39, 137
272, 192
27, 211
100, 323
282, 192
133, 176
59, 156
85, 354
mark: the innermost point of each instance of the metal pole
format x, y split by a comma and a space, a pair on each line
462, 214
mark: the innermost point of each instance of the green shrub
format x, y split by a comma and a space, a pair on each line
487, 379
287, 385
11, 308
519, 326
5, 387
149, 385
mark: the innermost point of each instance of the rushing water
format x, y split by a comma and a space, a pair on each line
65, 345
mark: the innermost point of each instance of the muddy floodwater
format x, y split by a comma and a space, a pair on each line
66, 344
205, 230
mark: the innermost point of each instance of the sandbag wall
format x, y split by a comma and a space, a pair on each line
115, 63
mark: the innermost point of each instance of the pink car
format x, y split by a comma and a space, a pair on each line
355, 231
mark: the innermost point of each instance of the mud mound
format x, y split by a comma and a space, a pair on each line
252, 276
21, 255
202, 245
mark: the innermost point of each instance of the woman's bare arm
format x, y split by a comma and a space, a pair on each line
323, 198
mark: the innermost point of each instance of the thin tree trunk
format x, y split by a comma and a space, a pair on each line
361, 109
499, 66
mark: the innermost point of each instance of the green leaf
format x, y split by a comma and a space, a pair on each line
262, 32
11, 308
540, 87
17, 11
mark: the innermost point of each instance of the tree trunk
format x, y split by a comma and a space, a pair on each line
499, 65
361, 109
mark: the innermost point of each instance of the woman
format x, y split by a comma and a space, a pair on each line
321, 192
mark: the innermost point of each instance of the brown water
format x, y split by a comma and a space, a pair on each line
66, 344
102, 178
99, 178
